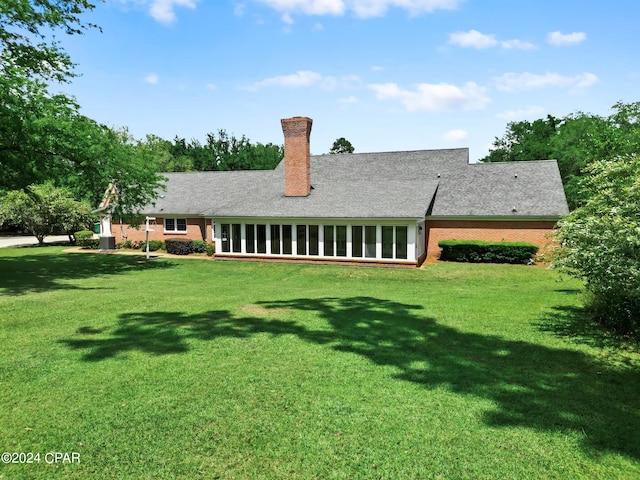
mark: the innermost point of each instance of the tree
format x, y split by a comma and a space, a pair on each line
43, 137
575, 141
601, 242
220, 151
341, 145
525, 141
26, 35
45, 210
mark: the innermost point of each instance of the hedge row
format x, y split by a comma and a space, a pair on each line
184, 246
84, 238
477, 251
142, 245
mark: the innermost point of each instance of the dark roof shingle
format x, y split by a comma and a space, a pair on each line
374, 185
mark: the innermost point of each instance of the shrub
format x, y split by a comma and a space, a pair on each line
211, 248
155, 245
83, 238
179, 246
476, 251
93, 244
601, 243
199, 246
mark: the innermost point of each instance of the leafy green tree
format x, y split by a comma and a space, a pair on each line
160, 152
220, 151
575, 141
341, 145
44, 210
232, 153
43, 137
525, 141
27, 40
601, 242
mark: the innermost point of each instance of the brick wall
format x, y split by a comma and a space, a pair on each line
536, 232
297, 153
197, 229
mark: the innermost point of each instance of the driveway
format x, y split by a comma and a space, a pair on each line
18, 240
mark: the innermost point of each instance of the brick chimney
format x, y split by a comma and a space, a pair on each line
297, 156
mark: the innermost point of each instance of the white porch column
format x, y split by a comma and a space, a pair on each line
412, 240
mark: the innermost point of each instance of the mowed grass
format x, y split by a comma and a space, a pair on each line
204, 369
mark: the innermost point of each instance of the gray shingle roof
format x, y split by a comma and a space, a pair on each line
527, 189
374, 185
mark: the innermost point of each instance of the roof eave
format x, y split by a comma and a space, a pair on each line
499, 218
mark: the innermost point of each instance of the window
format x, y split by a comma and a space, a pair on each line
286, 240
401, 242
313, 240
275, 239
370, 241
175, 224
261, 231
328, 241
224, 232
301, 239
251, 238
236, 237
341, 241
356, 241
387, 241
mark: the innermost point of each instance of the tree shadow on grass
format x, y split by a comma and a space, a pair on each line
42, 272
160, 333
530, 385
573, 324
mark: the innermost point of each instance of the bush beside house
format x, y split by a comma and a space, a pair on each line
476, 251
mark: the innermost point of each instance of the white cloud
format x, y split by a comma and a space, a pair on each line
586, 80
377, 68
434, 97
456, 136
348, 100
306, 78
318, 27
479, 41
521, 113
162, 10
473, 39
511, 82
309, 7
560, 39
211, 86
517, 45
152, 78
361, 8
286, 18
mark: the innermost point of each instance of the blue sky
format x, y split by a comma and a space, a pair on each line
387, 75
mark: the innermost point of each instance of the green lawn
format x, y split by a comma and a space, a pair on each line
204, 369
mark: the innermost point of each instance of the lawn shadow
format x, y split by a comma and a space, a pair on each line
531, 385
161, 333
42, 272
574, 324
546, 389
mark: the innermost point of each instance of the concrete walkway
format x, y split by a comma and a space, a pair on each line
20, 240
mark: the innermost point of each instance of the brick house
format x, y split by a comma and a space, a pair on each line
377, 208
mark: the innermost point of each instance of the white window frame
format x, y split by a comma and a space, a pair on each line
175, 224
